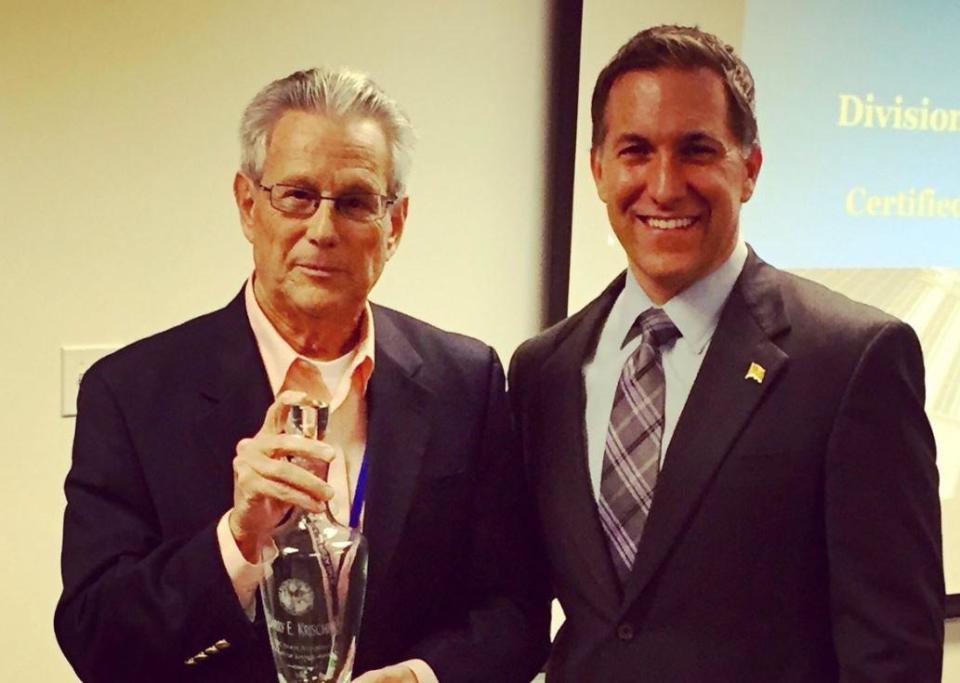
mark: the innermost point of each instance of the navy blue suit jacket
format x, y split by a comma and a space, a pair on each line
144, 585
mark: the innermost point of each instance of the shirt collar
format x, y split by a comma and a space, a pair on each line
277, 354
695, 311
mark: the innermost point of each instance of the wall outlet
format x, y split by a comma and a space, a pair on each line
74, 361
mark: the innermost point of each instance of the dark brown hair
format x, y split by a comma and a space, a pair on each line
685, 47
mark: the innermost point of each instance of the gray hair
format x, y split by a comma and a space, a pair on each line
683, 47
337, 92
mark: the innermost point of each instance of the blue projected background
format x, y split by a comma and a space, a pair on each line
824, 188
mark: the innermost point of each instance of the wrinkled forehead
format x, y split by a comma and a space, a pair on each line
308, 142
316, 131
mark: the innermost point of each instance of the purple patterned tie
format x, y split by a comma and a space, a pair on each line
631, 454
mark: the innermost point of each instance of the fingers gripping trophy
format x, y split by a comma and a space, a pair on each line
313, 591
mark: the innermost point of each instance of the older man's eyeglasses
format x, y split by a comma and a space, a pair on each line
302, 202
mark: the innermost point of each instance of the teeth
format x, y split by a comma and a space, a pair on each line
669, 223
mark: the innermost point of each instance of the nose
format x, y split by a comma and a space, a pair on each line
665, 182
320, 226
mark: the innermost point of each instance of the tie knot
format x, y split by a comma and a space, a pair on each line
655, 326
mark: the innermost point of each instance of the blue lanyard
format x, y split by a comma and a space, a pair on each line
356, 507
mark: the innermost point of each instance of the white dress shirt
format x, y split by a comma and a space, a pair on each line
695, 311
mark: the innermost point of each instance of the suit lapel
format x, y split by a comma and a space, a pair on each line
567, 498
397, 431
234, 393
720, 404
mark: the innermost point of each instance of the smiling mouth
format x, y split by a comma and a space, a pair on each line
662, 223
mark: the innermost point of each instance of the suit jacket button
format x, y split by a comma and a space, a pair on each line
625, 631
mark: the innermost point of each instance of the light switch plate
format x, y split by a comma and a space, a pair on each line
74, 361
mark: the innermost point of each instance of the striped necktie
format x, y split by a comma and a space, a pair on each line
631, 455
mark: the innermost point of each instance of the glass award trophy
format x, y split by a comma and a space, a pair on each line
313, 591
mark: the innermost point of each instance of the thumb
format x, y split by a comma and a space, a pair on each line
276, 416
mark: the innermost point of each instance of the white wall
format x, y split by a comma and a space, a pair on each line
951, 653
117, 125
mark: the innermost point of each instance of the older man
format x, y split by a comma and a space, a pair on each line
179, 476
735, 476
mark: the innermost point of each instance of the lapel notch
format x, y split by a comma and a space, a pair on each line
234, 390
397, 433
565, 493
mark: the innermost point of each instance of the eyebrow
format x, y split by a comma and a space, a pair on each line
632, 138
685, 138
698, 136
358, 187
297, 181
306, 183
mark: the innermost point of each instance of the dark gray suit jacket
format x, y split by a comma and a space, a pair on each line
795, 529
158, 422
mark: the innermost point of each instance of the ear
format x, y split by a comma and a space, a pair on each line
753, 163
243, 193
596, 168
398, 218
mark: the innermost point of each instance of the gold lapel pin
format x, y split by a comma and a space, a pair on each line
755, 372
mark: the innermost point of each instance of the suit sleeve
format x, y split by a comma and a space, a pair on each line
504, 635
135, 603
882, 517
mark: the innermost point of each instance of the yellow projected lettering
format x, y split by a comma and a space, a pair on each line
905, 204
865, 112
